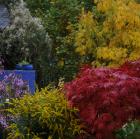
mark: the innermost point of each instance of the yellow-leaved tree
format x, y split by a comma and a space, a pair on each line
111, 33
84, 36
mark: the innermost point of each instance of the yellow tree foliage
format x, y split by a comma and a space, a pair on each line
84, 36
111, 33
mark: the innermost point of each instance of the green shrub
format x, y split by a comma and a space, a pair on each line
130, 130
56, 16
44, 115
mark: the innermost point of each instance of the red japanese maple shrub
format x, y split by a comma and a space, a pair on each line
106, 98
131, 68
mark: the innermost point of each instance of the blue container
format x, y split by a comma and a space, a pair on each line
18, 67
27, 67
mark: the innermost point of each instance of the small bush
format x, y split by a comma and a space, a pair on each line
130, 130
45, 115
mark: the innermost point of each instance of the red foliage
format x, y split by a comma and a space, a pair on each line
132, 68
106, 98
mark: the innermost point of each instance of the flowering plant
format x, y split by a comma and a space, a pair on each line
106, 98
11, 86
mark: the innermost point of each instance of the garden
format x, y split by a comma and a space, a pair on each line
69, 69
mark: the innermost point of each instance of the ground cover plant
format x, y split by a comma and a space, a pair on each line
131, 130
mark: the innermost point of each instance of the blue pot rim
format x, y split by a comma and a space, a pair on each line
27, 67
24, 67
18, 66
